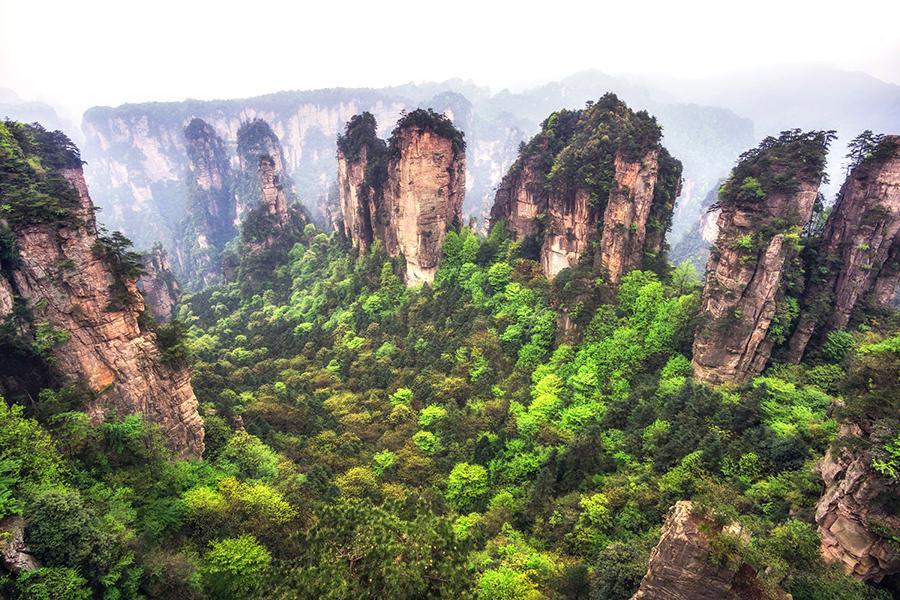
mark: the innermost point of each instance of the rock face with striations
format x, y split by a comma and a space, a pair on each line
853, 500
406, 195
593, 178
360, 156
424, 191
212, 212
256, 141
764, 205
161, 290
681, 565
860, 247
79, 289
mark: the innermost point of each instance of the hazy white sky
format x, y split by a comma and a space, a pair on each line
76, 54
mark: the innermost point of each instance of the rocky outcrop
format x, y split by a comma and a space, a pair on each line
158, 285
521, 197
212, 216
274, 199
14, 554
681, 565
360, 175
595, 178
410, 199
79, 290
860, 248
354, 197
423, 196
850, 508
256, 141
764, 205
627, 213
569, 232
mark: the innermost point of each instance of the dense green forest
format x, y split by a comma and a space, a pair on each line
368, 440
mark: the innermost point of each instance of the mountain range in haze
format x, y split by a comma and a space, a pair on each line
136, 157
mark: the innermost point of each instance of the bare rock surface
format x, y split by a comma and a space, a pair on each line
849, 506
681, 565
66, 285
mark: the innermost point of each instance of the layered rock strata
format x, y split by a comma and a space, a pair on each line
860, 248
763, 207
158, 285
682, 567
405, 194
851, 505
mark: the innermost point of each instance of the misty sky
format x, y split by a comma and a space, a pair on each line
78, 54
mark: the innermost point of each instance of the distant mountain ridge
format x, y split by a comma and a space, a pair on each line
136, 153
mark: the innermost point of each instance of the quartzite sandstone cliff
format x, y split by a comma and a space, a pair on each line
159, 286
682, 567
408, 200
68, 287
596, 178
860, 248
764, 205
856, 498
212, 216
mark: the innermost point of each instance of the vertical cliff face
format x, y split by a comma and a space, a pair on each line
353, 190
764, 206
212, 212
681, 565
255, 141
274, 198
407, 194
424, 192
79, 288
571, 223
852, 502
361, 156
594, 183
521, 197
627, 213
158, 285
860, 246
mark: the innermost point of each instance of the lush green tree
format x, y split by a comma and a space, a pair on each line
235, 567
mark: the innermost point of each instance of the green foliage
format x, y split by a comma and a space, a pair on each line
505, 584
173, 343
467, 486
52, 583
362, 550
427, 120
252, 458
776, 165
28, 458
46, 337
838, 345
235, 567
32, 189
124, 264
